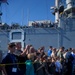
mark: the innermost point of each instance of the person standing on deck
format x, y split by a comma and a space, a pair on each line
21, 58
49, 51
10, 67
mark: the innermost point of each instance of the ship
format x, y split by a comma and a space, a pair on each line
44, 33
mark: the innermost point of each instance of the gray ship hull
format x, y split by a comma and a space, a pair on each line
38, 37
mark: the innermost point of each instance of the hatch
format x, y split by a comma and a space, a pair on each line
17, 36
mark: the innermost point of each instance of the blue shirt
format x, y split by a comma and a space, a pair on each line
49, 52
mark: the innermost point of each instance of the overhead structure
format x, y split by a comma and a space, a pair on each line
70, 8
57, 9
63, 9
1, 1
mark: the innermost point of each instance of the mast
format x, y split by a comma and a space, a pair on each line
56, 13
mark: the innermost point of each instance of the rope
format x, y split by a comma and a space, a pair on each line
18, 63
13, 64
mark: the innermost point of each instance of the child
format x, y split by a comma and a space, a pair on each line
29, 65
58, 66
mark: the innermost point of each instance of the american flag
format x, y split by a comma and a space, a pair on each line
4, 1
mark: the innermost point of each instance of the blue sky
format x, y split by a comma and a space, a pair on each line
22, 11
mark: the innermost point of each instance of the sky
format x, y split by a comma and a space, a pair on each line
23, 11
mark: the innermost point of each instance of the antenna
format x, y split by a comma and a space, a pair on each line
22, 17
27, 16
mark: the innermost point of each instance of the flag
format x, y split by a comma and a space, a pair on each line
3, 1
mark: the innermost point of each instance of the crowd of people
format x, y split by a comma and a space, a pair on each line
44, 24
36, 62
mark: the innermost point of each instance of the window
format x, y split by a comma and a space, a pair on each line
16, 35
